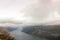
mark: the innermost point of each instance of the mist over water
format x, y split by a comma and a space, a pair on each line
30, 12
22, 36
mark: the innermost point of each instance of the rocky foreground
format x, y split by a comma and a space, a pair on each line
51, 32
5, 35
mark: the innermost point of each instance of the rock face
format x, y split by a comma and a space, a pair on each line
45, 31
5, 35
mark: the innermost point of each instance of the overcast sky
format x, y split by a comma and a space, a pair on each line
29, 11
43, 11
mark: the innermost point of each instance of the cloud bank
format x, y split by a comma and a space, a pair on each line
47, 11
29, 11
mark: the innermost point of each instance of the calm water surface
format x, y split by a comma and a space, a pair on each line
22, 36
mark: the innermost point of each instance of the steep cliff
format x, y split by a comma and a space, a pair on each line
44, 31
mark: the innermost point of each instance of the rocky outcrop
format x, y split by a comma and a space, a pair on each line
5, 35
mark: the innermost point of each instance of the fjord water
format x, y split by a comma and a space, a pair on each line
22, 36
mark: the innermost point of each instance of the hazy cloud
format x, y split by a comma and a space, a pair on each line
29, 11
43, 11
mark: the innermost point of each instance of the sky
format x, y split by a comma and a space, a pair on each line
43, 11
29, 11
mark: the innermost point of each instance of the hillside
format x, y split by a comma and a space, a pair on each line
8, 28
44, 31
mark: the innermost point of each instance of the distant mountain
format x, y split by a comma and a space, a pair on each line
9, 28
44, 31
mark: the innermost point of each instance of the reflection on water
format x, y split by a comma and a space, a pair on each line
22, 36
